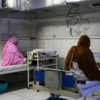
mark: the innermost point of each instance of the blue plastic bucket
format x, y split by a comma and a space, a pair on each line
3, 86
39, 77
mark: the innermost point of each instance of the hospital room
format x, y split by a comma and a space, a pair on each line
49, 50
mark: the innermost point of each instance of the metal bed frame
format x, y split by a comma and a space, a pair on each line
12, 69
82, 90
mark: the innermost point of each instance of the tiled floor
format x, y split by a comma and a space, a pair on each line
31, 94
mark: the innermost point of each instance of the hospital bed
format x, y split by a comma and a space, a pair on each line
72, 88
12, 69
11, 74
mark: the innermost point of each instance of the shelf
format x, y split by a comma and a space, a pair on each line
45, 58
50, 65
43, 66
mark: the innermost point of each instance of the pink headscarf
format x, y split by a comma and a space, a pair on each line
11, 55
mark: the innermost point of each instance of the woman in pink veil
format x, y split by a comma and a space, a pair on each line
11, 55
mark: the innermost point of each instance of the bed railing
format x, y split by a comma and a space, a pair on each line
65, 83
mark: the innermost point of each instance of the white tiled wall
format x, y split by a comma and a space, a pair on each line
54, 34
1, 47
56, 27
97, 56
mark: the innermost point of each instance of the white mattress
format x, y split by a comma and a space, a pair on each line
12, 68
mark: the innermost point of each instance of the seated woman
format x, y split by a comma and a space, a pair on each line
83, 58
11, 55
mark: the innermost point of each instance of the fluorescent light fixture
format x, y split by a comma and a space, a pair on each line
58, 1
11, 3
48, 2
73, 0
